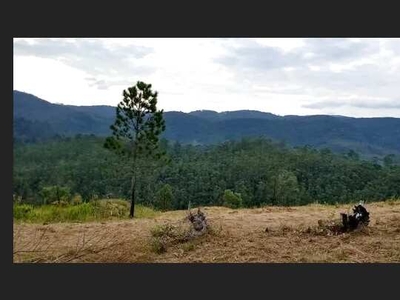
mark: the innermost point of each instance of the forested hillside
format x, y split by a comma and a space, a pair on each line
38, 120
256, 171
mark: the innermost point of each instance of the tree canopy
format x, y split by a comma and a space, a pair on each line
261, 171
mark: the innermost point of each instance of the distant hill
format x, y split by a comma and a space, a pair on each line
37, 119
62, 119
230, 115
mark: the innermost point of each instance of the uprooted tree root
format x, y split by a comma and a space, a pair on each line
166, 235
359, 217
357, 222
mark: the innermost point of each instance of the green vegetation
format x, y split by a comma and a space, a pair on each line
91, 211
135, 132
261, 171
231, 199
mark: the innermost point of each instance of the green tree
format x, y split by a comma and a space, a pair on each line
231, 199
164, 197
285, 188
136, 131
56, 193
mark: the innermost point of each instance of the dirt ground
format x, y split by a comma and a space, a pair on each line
269, 234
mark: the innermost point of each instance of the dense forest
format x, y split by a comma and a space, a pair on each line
250, 172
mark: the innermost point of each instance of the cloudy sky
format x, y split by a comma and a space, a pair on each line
351, 77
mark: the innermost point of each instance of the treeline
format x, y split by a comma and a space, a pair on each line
248, 173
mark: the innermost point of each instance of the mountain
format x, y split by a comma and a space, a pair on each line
36, 119
229, 115
62, 119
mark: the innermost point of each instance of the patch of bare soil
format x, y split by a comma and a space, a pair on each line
269, 234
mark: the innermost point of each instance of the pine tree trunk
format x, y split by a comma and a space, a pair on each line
135, 169
132, 210
274, 194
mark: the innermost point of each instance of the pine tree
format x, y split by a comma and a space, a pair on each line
136, 131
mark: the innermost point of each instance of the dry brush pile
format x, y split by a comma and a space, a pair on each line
191, 227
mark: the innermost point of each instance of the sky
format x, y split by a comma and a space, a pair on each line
285, 76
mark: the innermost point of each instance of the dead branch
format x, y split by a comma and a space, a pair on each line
84, 246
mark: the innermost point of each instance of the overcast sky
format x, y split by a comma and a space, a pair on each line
351, 77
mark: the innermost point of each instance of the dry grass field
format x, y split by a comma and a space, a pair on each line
263, 235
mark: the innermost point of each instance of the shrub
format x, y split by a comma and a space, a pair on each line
158, 246
231, 199
22, 211
111, 208
77, 199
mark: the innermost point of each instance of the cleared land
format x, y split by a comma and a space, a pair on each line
269, 234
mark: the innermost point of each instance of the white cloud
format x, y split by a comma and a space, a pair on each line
284, 44
282, 76
289, 69
314, 68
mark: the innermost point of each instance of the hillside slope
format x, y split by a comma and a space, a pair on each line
35, 118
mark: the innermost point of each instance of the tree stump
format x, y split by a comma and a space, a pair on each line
198, 220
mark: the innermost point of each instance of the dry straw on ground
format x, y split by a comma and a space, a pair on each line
269, 234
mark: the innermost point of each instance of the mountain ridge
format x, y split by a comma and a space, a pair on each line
369, 136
